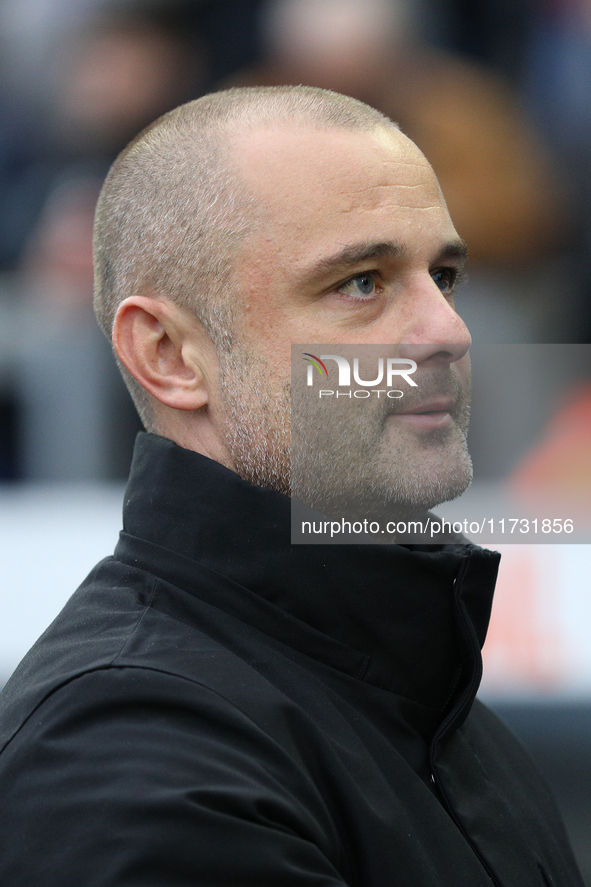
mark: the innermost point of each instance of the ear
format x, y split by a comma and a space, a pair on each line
162, 346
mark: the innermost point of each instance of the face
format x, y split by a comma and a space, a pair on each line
354, 246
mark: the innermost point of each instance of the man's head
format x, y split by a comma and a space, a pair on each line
253, 219
174, 208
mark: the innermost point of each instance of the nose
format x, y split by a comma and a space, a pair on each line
433, 330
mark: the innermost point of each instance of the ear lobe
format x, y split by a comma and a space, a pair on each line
151, 338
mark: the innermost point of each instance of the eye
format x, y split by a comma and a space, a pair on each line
361, 287
444, 279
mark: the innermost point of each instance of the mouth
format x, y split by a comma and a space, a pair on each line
429, 415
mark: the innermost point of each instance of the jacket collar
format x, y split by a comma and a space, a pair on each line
409, 613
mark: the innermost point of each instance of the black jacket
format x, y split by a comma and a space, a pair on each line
217, 707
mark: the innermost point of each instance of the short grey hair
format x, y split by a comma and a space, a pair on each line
173, 209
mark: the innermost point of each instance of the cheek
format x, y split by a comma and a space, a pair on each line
268, 332
263, 324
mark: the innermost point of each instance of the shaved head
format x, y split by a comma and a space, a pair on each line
174, 208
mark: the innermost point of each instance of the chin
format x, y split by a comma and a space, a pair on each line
410, 492
423, 491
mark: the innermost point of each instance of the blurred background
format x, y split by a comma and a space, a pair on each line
497, 95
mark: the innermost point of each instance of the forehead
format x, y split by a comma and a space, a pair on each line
318, 187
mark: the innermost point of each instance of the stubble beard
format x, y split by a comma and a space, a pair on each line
340, 462
258, 427
363, 460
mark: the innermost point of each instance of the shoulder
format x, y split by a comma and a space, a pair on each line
146, 770
126, 634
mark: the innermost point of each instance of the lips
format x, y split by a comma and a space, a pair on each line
433, 405
428, 415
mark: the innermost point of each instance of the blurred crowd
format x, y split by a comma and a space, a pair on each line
498, 96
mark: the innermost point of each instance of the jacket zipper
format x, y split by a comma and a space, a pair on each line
436, 781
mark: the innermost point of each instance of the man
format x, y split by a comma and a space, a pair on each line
215, 706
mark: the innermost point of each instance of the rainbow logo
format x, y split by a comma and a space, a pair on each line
315, 361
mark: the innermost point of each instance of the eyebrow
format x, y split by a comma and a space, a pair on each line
355, 254
455, 249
